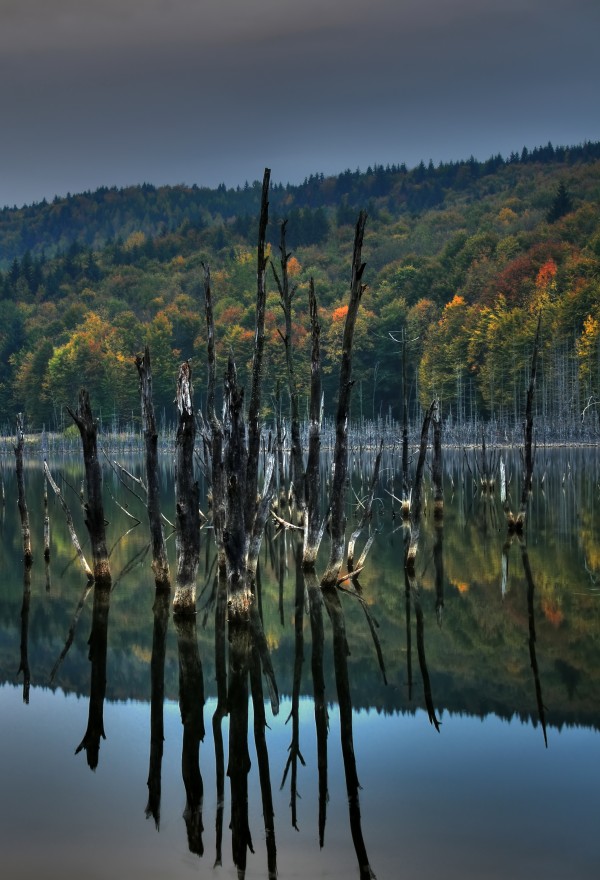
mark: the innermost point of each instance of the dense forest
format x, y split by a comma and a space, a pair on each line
461, 260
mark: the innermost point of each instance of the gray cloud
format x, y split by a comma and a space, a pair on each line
123, 91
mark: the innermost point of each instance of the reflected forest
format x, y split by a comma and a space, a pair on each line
324, 600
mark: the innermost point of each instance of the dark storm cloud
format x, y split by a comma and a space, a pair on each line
122, 91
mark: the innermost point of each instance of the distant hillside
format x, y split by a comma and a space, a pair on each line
93, 219
461, 258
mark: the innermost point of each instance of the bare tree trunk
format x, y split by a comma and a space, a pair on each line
417, 501
405, 480
93, 507
286, 295
436, 469
160, 562
216, 428
340, 473
312, 534
22, 501
365, 518
69, 518
529, 452
187, 498
254, 408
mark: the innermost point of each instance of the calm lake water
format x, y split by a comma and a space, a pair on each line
499, 648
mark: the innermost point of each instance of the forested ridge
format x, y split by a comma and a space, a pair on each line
461, 259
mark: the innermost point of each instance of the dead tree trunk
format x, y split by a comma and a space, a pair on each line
529, 452
160, 562
405, 479
215, 440
69, 518
254, 407
340, 458
417, 500
312, 529
286, 295
93, 507
436, 469
187, 498
22, 501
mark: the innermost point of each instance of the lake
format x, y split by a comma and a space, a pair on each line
475, 747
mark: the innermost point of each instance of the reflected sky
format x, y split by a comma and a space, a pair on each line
478, 800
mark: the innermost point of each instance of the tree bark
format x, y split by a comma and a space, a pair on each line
187, 493
436, 469
340, 473
312, 533
160, 562
216, 428
417, 501
286, 295
254, 407
22, 501
529, 453
93, 507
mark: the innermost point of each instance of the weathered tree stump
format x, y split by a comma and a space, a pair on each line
187, 536
93, 507
160, 562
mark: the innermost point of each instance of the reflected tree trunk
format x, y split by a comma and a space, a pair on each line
222, 704
294, 753
532, 640
315, 601
157, 699
191, 706
340, 659
262, 756
239, 757
24, 647
97, 655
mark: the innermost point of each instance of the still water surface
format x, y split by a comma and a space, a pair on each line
501, 646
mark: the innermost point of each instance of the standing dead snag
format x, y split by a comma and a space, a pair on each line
187, 493
529, 454
415, 518
160, 562
94, 507
215, 437
436, 468
340, 456
286, 295
23, 511
312, 537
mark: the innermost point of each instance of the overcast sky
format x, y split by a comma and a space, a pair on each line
115, 92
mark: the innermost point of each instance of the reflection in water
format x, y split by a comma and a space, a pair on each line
532, 648
24, 664
97, 656
340, 659
191, 706
481, 643
160, 610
